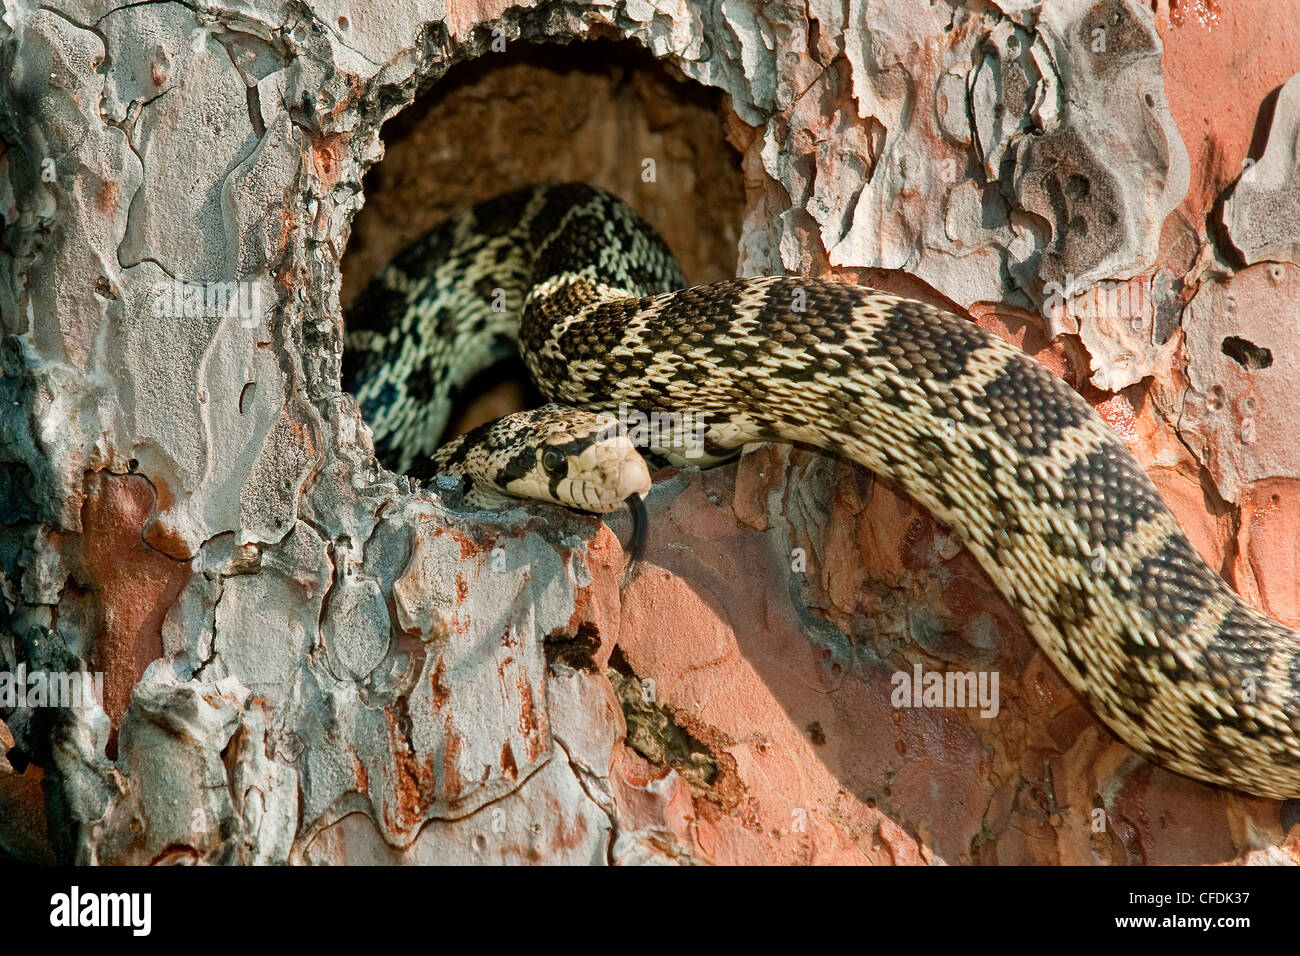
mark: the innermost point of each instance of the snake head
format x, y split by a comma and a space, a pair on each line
578, 459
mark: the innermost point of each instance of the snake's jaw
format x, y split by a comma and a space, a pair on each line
605, 476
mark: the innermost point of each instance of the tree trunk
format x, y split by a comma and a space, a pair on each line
304, 659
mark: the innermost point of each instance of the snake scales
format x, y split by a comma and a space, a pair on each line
1047, 499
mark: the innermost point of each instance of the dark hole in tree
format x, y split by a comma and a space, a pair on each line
1247, 354
591, 111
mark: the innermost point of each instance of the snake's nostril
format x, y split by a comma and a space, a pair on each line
634, 476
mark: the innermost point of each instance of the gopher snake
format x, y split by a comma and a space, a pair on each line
1051, 504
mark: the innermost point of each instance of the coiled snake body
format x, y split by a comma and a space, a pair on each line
1051, 504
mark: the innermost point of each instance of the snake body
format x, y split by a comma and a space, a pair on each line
1051, 504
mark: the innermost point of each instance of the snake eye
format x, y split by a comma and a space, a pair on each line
556, 465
